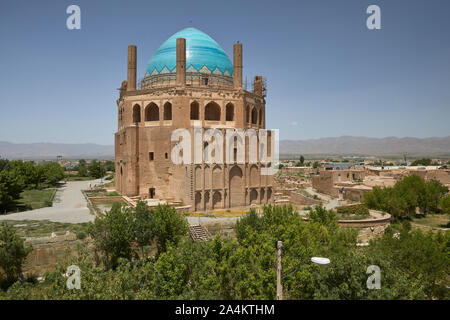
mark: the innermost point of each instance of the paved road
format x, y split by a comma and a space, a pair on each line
69, 206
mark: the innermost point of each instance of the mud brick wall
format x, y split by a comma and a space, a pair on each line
49, 251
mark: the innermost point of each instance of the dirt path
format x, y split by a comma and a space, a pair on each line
331, 202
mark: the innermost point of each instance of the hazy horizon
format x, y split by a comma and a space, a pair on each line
328, 137
345, 145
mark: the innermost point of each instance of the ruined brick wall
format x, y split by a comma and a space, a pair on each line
324, 183
300, 199
308, 170
283, 182
369, 233
442, 176
49, 251
354, 194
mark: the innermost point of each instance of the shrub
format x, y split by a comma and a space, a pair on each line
355, 209
81, 234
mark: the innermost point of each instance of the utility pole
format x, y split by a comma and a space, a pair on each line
279, 270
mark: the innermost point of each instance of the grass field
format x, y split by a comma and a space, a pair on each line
35, 199
44, 228
433, 220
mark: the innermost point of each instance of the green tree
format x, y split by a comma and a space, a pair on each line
315, 164
82, 171
434, 192
82, 168
414, 265
52, 173
407, 194
96, 169
444, 204
12, 253
167, 226
142, 226
323, 216
422, 257
11, 185
186, 271
250, 221
109, 165
32, 177
4, 164
411, 191
113, 234
421, 162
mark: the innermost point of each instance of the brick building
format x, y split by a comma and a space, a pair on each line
354, 183
190, 82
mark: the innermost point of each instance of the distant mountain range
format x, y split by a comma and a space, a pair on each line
345, 145
348, 145
49, 151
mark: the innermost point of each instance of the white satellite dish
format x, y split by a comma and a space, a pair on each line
320, 260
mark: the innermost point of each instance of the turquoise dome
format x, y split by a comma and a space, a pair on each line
201, 52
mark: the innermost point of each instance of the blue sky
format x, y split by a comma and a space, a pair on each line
328, 75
